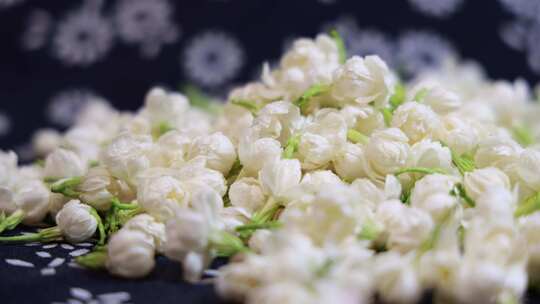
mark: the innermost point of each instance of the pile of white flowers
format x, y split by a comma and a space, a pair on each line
327, 181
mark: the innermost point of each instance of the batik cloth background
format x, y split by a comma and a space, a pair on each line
56, 55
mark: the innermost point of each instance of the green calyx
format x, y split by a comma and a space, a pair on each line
162, 128
11, 221
370, 231
67, 187
43, 235
357, 137
342, 50
95, 259
265, 218
291, 146
118, 215
225, 244
420, 95
249, 105
421, 170
529, 206
464, 162
523, 135
200, 100
315, 90
324, 269
459, 191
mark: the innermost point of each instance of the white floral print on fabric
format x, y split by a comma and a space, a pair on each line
422, 50
5, 124
83, 37
436, 8
148, 23
64, 106
38, 28
213, 58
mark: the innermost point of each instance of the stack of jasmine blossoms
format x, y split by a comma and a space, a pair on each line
328, 181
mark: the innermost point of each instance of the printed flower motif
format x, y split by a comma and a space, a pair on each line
64, 107
5, 124
146, 22
371, 42
37, 31
436, 8
529, 9
422, 50
83, 38
213, 58
9, 3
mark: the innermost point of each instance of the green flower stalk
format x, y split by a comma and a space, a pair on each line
529, 206
67, 187
421, 170
342, 50
11, 221
225, 244
44, 235
248, 105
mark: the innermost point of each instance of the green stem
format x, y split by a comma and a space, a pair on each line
67, 187
421, 170
225, 244
10, 222
342, 50
357, 137
460, 191
101, 227
257, 226
44, 235
387, 115
247, 104
123, 206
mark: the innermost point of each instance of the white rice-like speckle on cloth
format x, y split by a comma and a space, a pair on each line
48, 271
79, 252
85, 244
211, 272
74, 301
114, 297
67, 246
21, 263
32, 244
80, 293
74, 265
49, 246
43, 254
56, 262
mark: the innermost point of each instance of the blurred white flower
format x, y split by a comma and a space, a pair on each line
514, 34
9, 3
213, 58
529, 9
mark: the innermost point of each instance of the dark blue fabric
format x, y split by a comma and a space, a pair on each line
46, 72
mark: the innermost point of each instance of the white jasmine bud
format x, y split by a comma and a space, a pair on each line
130, 254
62, 164
76, 222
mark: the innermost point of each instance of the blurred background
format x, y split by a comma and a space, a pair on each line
57, 55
